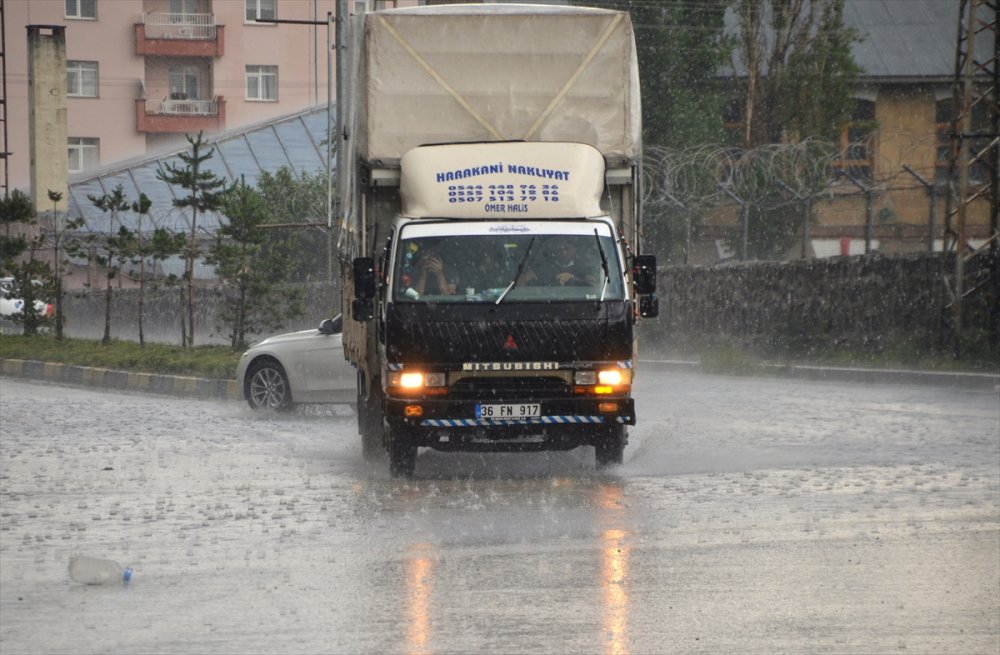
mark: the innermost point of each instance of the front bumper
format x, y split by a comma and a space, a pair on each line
564, 423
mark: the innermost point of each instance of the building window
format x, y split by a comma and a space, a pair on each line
262, 82
81, 79
259, 9
81, 8
84, 154
184, 12
184, 83
857, 142
946, 113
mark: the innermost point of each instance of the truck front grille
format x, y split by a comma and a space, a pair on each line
526, 388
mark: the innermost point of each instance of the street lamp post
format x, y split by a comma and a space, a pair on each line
329, 122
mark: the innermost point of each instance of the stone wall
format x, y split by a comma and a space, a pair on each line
861, 302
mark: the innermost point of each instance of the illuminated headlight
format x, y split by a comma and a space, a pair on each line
416, 380
411, 380
612, 377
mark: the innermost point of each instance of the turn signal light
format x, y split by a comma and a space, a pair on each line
413, 411
607, 408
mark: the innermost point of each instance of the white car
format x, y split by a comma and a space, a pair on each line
298, 367
9, 305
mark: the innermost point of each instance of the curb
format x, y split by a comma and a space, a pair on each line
173, 385
984, 381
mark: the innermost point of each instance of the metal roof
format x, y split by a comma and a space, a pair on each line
296, 141
900, 40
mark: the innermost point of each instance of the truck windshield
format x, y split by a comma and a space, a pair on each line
480, 267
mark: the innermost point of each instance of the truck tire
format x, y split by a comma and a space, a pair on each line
369, 422
609, 450
402, 454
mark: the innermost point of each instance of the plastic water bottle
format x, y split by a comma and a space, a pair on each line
91, 570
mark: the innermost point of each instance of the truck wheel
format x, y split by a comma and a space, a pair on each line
610, 447
402, 454
369, 423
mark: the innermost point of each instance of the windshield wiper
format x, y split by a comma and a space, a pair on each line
604, 265
520, 270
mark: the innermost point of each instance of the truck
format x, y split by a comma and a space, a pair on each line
489, 192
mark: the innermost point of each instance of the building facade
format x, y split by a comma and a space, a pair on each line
140, 74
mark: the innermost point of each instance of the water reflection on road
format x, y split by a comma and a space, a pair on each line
492, 557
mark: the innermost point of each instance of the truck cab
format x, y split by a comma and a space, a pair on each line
504, 307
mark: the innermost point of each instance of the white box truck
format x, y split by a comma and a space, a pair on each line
489, 187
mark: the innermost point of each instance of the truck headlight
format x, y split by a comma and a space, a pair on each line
611, 376
415, 380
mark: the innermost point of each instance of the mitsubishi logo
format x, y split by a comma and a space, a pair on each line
510, 344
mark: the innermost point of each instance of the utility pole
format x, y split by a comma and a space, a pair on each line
974, 145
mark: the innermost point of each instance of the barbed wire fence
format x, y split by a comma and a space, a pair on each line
773, 183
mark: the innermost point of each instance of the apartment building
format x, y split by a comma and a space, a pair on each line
140, 74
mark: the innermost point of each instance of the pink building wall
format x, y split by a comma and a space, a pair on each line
111, 41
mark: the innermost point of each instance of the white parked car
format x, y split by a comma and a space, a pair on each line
9, 305
298, 367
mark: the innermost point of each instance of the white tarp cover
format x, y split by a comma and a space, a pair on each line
460, 73
502, 180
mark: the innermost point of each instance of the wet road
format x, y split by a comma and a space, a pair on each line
752, 515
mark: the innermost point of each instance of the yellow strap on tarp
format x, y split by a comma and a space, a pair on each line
573, 78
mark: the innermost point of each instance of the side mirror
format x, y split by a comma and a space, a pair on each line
649, 306
362, 309
644, 274
333, 325
364, 278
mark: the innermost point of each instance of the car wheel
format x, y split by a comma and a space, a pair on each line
267, 386
609, 450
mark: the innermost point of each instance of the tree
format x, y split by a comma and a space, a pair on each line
116, 246
799, 69
296, 200
252, 298
57, 228
681, 46
798, 81
205, 193
32, 278
15, 210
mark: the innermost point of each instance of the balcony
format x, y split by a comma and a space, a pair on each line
179, 115
179, 35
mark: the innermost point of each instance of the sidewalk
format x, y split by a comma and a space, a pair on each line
229, 389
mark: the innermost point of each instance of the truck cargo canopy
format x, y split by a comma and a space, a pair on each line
465, 73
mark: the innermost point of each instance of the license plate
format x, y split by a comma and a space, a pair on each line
514, 410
